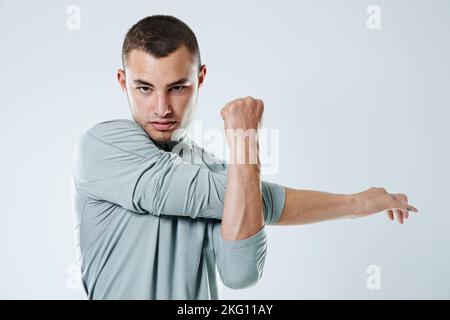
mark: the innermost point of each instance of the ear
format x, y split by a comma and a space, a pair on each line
201, 75
121, 78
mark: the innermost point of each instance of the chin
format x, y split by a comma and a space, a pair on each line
160, 135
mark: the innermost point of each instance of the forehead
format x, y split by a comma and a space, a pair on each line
179, 64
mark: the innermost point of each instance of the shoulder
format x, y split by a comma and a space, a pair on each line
110, 128
114, 135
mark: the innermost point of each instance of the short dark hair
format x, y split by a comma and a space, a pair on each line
159, 36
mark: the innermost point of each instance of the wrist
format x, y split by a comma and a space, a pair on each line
245, 152
355, 206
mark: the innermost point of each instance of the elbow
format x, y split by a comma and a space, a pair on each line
241, 262
242, 280
244, 274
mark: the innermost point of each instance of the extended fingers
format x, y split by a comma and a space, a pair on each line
401, 207
390, 214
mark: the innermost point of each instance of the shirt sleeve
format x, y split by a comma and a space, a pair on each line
116, 161
274, 195
240, 262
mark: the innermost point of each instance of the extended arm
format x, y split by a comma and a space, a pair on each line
307, 206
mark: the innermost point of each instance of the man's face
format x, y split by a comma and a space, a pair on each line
163, 90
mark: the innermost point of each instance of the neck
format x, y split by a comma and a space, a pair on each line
166, 145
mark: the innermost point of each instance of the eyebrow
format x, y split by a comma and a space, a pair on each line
145, 83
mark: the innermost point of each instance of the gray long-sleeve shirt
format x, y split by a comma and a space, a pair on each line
148, 217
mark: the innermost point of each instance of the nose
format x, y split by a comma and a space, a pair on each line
162, 106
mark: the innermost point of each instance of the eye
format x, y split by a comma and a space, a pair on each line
144, 89
177, 89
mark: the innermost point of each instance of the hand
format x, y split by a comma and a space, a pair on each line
243, 113
243, 118
375, 200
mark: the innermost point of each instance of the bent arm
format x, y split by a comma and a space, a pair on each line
241, 245
243, 210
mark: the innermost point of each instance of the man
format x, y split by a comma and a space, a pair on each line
152, 225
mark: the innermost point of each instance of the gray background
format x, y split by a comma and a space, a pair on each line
356, 108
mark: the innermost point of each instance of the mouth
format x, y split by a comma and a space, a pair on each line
163, 125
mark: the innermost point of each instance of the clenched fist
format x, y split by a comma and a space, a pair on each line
243, 113
242, 120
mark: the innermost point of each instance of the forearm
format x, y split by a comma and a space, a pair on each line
243, 207
307, 206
